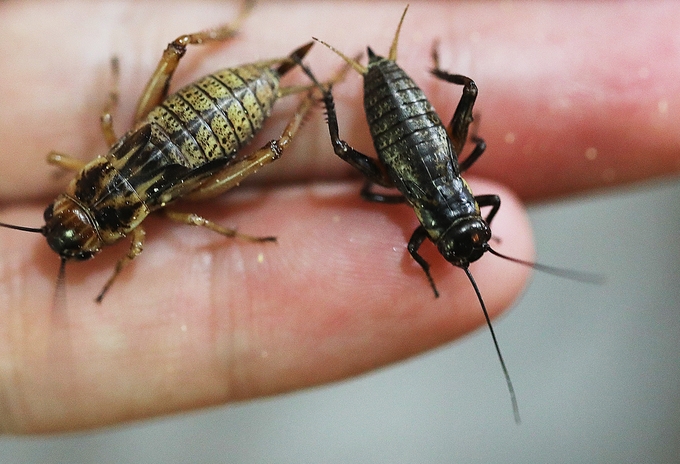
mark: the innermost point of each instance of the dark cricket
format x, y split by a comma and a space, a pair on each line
418, 156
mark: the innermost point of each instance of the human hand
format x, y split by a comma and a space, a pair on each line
197, 319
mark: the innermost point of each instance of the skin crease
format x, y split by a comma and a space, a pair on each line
565, 106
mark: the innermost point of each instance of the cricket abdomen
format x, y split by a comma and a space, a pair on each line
408, 135
216, 116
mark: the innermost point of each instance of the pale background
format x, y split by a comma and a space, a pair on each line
596, 371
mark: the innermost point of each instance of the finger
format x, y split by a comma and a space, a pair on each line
565, 104
200, 319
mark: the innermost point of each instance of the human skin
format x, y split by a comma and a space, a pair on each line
566, 106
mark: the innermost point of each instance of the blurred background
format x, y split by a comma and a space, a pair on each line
595, 369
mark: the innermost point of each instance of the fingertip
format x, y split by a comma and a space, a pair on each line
356, 280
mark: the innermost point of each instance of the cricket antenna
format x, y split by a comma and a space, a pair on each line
38, 230
511, 389
578, 276
570, 274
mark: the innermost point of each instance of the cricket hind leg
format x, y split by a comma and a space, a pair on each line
157, 87
371, 168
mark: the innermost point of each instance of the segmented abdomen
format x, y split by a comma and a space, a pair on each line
408, 135
217, 115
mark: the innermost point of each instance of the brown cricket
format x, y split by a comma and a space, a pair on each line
183, 145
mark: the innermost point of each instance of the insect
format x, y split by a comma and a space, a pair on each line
418, 156
184, 145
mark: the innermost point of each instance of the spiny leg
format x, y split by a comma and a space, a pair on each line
371, 168
157, 87
417, 239
136, 247
462, 117
106, 119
